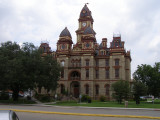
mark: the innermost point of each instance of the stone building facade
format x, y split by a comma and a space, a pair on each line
88, 67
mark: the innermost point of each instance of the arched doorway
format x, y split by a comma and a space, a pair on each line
75, 88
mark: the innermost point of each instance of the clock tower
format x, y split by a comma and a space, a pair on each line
85, 32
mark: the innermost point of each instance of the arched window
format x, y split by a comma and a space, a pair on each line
75, 75
107, 89
62, 73
62, 89
97, 89
87, 89
62, 63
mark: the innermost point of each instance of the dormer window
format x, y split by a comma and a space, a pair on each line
116, 44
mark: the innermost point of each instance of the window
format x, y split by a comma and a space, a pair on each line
97, 74
116, 73
107, 62
97, 89
116, 44
101, 52
97, 63
116, 62
75, 75
62, 73
107, 89
107, 74
62, 63
76, 63
87, 89
87, 73
87, 62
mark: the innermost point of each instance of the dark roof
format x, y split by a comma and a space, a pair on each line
85, 12
65, 32
89, 30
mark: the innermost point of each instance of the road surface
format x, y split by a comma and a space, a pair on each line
110, 111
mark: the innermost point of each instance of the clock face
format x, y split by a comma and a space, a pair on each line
84, 24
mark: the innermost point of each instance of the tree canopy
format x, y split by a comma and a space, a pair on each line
150, 76
23, 68
121, 90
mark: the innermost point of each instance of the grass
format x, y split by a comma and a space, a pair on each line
20, 101
131, 104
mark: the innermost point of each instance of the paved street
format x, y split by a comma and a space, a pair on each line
37, 116
26, 116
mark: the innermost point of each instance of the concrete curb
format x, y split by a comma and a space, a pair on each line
83, 114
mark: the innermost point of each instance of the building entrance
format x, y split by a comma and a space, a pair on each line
75, 89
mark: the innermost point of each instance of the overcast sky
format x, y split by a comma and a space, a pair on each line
138, 22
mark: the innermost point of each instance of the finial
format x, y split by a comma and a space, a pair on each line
86, 3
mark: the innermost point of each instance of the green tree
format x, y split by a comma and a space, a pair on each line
23, 68
48, 73
121, 90
150, 76
139, 89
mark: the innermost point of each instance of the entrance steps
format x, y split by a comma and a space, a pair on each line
68, 98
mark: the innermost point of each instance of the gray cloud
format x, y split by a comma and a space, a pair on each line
33, 21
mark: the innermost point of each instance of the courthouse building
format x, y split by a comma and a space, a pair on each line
88, 67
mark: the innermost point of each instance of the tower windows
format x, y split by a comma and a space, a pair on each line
116, 62
63, 46
87, 63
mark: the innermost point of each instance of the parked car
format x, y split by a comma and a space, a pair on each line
8, 115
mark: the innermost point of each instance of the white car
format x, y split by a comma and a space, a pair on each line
8, 115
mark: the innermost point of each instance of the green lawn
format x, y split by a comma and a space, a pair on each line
131, 104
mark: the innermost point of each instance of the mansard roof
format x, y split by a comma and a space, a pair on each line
116, 42
65, 33
89, 30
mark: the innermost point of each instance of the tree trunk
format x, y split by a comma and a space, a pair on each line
15, 94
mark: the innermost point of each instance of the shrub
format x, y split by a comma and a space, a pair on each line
84, 98
28, 97
102, 98
43, 98
89, 99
